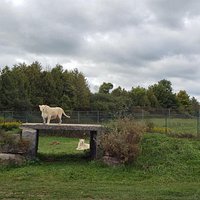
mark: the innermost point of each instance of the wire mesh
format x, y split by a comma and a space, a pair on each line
167, 120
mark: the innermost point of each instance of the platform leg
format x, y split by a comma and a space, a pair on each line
93, 144
32, 136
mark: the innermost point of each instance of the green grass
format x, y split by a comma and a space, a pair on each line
167, 169
176, 125
58, 145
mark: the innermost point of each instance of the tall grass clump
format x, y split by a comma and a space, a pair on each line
122, 140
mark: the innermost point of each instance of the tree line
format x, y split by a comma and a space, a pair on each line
24, 87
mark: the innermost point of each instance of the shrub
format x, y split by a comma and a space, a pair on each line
1, 119
122, 140
7, 126
162, 130
149, 126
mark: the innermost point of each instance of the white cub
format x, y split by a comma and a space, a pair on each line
51, 113
82, 145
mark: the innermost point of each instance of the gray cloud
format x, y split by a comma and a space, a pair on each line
173, 13
128, 43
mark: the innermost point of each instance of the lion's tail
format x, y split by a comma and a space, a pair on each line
65, 114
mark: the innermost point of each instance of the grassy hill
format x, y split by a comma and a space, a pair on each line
168, 168
162, 155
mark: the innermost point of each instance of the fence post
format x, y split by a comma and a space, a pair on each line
26, 116
4, 118
97, 116
168, 120
12, 115
142, 114
166, 123
78, 117
169, 112
198, 122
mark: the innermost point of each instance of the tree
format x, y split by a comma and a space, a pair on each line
15, 88
195, 106
24, 87
139, 97
105, 88
103, 102
69, 91
7, 88
36, 90
152, 98
163, 93
81, 91
22, 99
57, 80
48, 90
183, 100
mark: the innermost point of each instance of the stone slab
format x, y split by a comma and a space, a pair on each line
6, 159
71, 127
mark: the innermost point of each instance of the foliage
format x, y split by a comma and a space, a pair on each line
105, 88
162, 130
139, 97
103, 102
23, 87
149, 126
163, 92
122, 140
81, 98
7, 126
185, 104
1, 119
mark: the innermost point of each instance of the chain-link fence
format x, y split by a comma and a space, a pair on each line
170, 121
75, 117
163, 120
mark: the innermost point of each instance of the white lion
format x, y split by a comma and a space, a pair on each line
82, 145
51, 113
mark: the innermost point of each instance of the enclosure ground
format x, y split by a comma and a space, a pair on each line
168, 169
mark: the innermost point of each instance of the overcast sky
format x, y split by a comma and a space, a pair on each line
125, 42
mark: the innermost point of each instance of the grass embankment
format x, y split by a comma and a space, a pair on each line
168, 168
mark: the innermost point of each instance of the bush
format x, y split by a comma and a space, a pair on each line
161, 130
149, 126
1, 119
122, 140
7, 126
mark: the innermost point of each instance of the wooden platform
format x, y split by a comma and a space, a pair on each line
30, 131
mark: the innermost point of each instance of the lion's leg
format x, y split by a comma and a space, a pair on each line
60, 119
49, 118
44, 120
